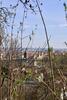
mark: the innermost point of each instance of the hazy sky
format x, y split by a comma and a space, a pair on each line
54, 16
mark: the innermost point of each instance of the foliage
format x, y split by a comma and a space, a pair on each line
19, 78
5, 71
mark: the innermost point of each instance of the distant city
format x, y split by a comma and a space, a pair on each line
44, 49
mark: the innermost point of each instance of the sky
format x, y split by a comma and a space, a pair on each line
54, 16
